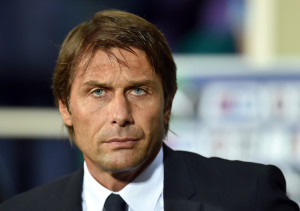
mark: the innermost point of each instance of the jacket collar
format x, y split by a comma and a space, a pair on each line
179, 191
71, 198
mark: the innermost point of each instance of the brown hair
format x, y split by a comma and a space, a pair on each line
107, 29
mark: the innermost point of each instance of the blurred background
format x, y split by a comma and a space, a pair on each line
238, 73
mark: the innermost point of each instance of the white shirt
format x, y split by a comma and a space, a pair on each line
144, 193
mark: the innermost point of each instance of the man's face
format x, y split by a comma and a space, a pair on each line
117, 111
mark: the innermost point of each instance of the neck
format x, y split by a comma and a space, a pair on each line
114, 180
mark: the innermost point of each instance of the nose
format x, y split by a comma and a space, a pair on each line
121, 112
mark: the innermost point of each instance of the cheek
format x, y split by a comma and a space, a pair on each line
87, 110
150, 118
87, 120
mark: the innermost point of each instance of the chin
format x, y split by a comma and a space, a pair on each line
124, 165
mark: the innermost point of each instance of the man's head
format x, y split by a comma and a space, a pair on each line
114, 83
105, 30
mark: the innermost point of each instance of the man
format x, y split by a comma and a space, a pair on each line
114, 84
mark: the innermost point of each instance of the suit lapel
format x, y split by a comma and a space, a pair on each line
72, 194
179, 191
178, 188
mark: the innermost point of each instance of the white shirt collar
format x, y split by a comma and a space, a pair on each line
143, 193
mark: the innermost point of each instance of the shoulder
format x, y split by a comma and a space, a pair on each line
45, 197
194, 161
217, 170
237, 183
220, 164
231, 172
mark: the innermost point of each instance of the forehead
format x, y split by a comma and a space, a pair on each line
116, 59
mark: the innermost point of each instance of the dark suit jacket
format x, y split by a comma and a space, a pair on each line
191, 183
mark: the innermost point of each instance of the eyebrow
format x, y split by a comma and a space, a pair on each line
130, 83
141, 83
95, 83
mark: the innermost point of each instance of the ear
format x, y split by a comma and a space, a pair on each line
65, 114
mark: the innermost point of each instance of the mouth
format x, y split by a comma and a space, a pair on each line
121, 143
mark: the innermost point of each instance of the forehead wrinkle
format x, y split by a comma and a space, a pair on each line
118, 56
109, 59
95, 66
142, 80
114, 60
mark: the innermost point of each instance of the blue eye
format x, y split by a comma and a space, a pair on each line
138, 91
98, 92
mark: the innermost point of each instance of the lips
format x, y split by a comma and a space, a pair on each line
121, 143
